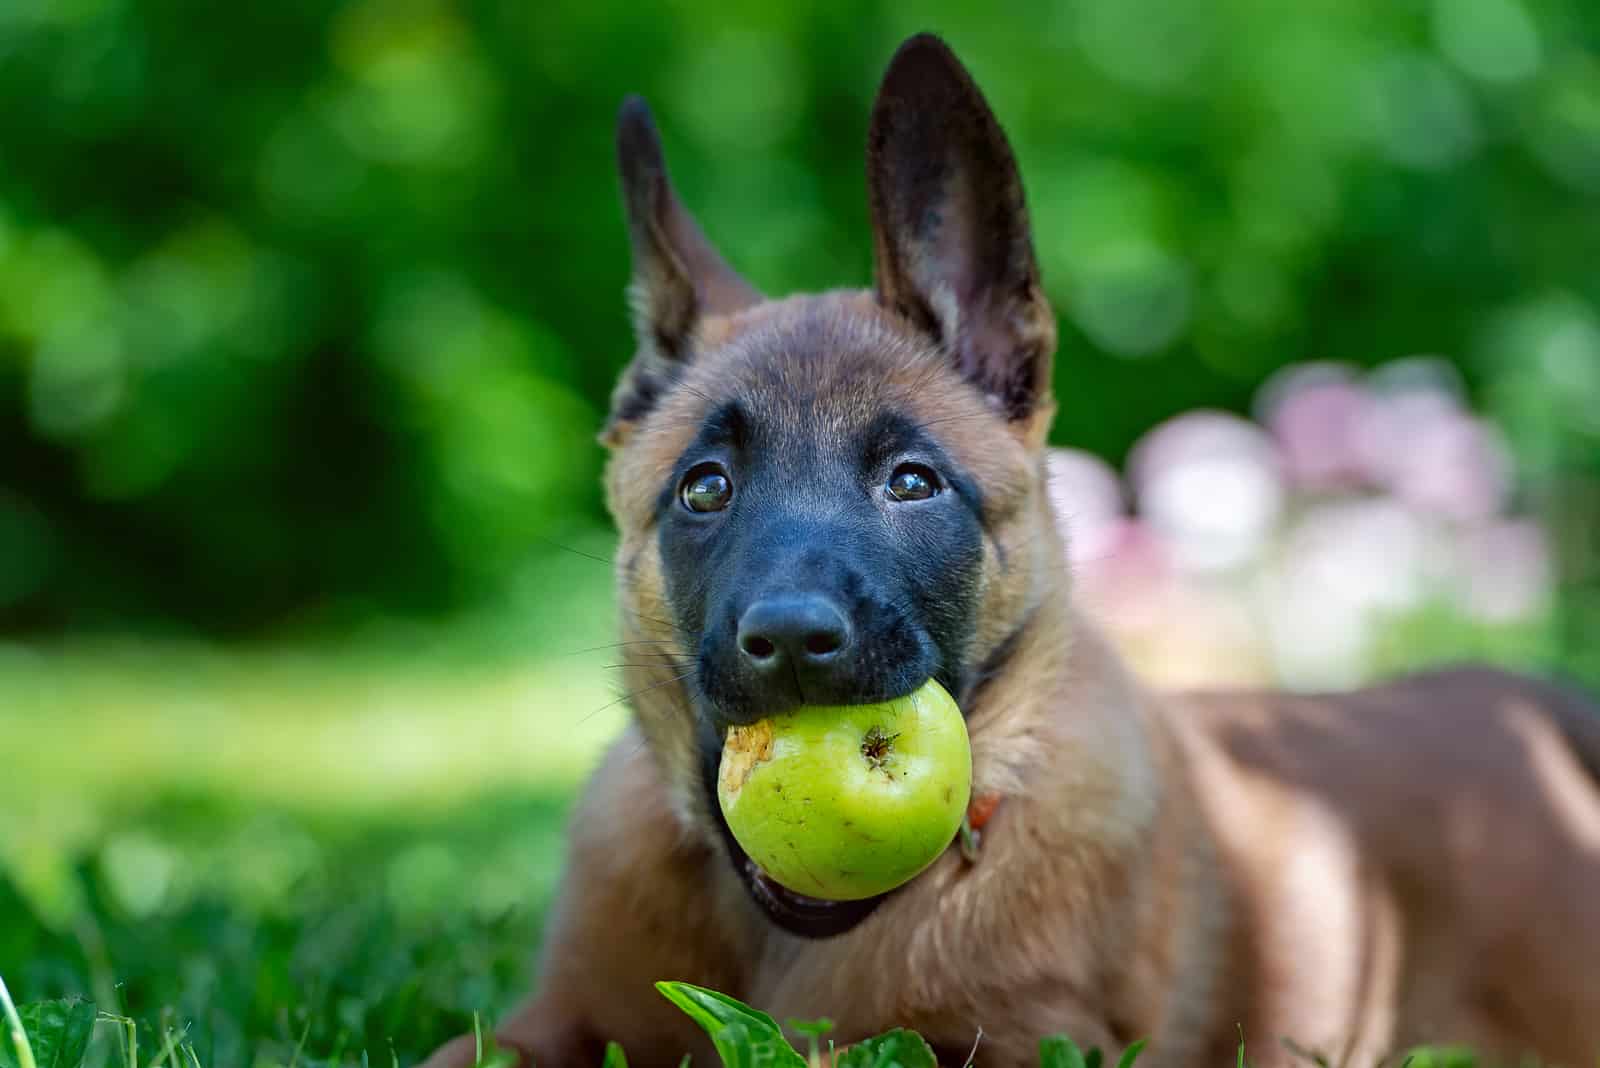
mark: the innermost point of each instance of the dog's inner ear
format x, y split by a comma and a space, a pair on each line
678, 276
950, 228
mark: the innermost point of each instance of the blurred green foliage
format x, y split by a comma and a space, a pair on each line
310, 309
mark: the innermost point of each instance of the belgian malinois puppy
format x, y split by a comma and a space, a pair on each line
831, 498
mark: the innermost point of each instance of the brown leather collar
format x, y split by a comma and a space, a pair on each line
979, 812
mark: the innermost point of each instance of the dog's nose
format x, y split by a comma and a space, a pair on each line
792, 632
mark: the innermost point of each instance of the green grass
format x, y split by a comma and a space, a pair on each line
255, 930
60, 1033
341, 847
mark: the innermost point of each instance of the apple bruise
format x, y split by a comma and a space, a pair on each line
745, 749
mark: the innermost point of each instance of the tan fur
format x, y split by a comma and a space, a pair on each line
1356, 873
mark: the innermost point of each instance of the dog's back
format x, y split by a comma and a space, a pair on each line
1416, 859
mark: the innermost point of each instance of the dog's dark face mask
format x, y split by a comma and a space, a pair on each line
814, 569
811, 564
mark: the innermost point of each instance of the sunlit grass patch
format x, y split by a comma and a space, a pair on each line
258, 727
396, 713
250, 929
331, 846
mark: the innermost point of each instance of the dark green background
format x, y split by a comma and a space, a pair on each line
311, 310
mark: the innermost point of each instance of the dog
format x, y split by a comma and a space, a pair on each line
830, 498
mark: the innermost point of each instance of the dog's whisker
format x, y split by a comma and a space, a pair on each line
637, 618
636, 693
658, 665
953, 419
929, 370
575, 552
694, 392
619, 645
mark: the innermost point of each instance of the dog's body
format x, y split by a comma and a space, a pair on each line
837, 496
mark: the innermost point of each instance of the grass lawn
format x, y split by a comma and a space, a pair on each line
340, 849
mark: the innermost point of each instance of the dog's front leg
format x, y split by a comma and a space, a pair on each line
643, 899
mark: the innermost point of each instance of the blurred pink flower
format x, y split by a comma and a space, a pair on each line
1505, 571
1419, 442
1127, 577
1399, 494
1343, 565
1088, 499
1209, 485
1425, 449
1459, 469
1313, 411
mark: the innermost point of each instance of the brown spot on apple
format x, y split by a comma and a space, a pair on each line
746, 748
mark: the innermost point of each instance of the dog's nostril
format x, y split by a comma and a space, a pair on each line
822, 642
759, 647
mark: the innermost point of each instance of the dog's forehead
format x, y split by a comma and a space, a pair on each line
828, 366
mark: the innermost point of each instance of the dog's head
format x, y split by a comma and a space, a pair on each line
831, 498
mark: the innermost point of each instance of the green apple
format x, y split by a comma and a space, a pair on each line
848, 801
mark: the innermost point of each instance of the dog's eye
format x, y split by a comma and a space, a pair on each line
913, 482
706, 488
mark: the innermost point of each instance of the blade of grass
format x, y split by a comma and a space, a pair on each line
129, 1032
294, 1058
814, 1031
340, 1040
168, 1054
972, 1055
1131, 1054
19, 1037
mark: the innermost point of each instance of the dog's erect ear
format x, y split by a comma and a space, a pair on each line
678, 277
950, 229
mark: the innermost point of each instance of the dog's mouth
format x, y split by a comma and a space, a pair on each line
808, 917
797, 913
